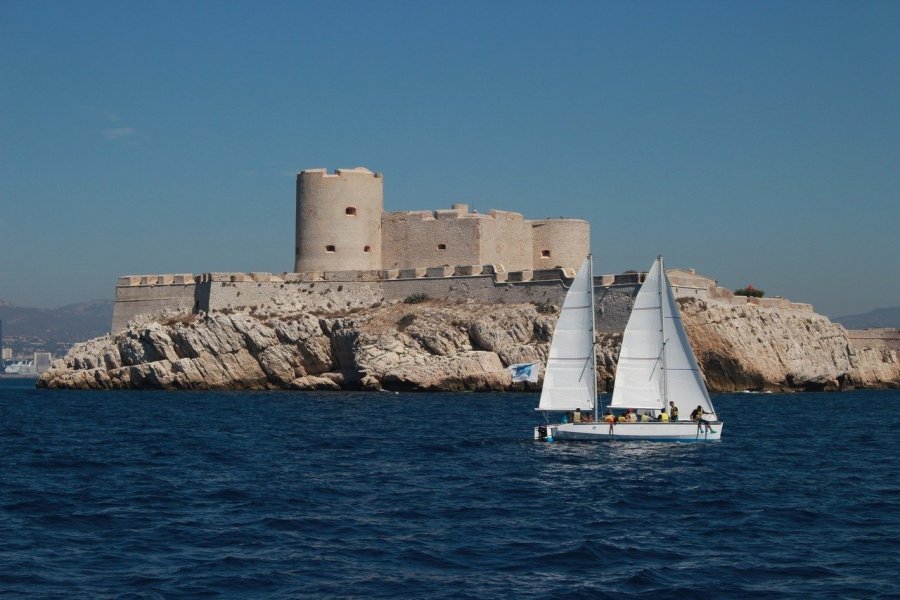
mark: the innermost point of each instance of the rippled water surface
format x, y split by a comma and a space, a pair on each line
282, 495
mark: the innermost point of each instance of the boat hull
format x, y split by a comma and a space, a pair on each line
678, 431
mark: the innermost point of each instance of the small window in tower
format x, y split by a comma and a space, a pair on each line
366, 248
545, 254
442, 246
351, 210
329, 248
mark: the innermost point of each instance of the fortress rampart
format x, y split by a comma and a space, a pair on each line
880, 338
147, 295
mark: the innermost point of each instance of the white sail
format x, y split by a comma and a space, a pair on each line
684, 381
639, 374
570, 379
656, 364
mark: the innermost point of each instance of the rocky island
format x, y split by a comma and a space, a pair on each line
436, 300
440, 345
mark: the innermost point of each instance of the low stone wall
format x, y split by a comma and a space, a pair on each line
725, 296
883, 338
487, 289
488, 284
138, 295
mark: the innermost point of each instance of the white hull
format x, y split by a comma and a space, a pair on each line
679, 431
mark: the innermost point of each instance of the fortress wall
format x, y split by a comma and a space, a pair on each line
884, 338
489, 284
298, 294
481, 288
231, 290
686, 291
138, 295
507, 240
430, 239
338, 223
613, 305
773, 303
560, 242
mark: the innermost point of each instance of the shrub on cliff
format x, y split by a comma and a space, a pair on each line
405, 321
415, 298
545, 307
750, 291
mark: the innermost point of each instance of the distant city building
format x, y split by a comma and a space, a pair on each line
42, 361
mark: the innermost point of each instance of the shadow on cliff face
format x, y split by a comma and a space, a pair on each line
726, 374
821, 384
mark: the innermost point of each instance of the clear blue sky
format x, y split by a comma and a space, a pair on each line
758, 142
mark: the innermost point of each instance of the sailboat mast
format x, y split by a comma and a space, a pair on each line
662, 334
593, 341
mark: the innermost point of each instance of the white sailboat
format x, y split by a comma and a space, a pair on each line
656, 370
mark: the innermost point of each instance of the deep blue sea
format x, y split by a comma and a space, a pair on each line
287, 495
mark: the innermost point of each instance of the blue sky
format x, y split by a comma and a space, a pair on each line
758, 142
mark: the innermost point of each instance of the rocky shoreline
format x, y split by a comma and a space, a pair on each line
439, 346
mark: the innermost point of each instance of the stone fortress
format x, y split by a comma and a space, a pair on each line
342, 227
346, 243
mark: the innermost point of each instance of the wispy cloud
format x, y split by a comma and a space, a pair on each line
118, 133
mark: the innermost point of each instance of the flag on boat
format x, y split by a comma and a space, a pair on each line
524, 372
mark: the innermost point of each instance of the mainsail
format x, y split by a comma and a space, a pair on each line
684, 381
656, 364
570, 381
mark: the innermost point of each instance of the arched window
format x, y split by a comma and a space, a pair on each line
351, 211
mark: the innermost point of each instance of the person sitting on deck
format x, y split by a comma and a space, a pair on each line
663, 416
645, 418
632, 416
576, 418
697, 415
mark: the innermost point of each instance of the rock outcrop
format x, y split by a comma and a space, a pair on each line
440, 346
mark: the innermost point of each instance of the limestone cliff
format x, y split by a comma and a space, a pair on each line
441, 346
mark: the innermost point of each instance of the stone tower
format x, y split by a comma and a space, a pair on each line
560, 242
338, 220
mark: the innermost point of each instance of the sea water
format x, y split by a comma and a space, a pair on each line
285, 495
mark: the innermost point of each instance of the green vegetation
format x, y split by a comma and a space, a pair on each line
545, 307
415, 298
405, 321
750, 291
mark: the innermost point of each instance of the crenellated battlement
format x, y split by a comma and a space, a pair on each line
323, 173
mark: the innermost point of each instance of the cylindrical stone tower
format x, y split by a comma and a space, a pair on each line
338, 220
560, 242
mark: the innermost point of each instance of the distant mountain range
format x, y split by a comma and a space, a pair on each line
880, 317
54, 330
